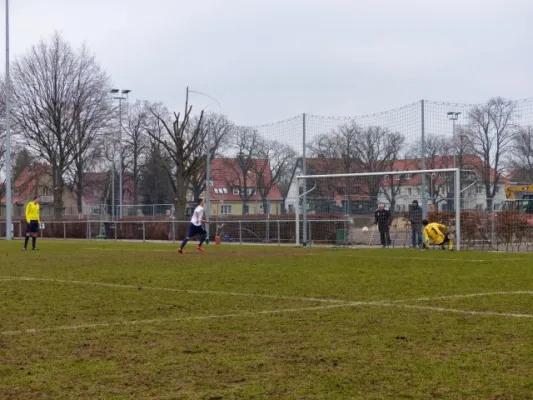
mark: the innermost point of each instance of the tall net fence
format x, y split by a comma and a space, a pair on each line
254, 195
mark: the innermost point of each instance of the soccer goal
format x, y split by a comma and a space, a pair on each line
340, 209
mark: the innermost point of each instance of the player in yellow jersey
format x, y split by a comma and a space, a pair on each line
438, 234
33, 220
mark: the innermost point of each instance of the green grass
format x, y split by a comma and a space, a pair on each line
195, 336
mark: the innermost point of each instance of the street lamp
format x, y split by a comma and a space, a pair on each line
208, 155
454, 116
120, 98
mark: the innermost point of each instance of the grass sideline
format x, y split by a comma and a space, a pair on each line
127, 320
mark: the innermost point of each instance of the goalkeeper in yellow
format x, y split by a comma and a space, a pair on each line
438, 234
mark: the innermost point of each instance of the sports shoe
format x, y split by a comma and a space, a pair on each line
200, 248
180, 251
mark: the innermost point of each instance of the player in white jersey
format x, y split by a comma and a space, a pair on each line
195, 227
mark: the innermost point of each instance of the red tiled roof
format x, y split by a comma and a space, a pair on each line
26, 183
336, 166
226, 174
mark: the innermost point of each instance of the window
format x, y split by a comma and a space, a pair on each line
409, 191
225, 209
479, 189
236, 191
386, 178
398, 177
497, 189
245, 209
408, 176
250, 191
479, 207
224, 190
45, 191
217, 190
418, 191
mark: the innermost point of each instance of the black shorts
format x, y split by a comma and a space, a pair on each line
32, 227
195, 230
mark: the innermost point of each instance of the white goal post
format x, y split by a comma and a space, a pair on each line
453, 172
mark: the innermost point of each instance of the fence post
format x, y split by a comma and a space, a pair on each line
240, 232
494, 239
64, 230
173, 231
153, 211
115, 228
309, 234
304, 172
279, 234
20, 229
144, 232
88, 230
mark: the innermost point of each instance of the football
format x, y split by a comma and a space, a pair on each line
364, 229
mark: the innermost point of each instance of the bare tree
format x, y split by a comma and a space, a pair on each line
489, 135
274, 161
521, 161
370, 149
135, 142
60, 104
242, 177
179, 141
221, 131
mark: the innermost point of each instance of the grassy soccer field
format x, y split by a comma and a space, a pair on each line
126, 320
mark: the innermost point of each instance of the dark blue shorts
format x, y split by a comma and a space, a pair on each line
195, 230
32, 227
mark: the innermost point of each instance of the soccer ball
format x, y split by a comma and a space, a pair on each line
364, 229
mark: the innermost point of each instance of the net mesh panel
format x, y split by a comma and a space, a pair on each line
251, 180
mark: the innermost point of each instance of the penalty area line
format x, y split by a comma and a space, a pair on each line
255, 314
163, 289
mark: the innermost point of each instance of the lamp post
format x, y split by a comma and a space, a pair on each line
453, 116
123, 96
9, 199
208, 155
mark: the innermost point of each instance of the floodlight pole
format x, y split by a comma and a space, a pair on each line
9, 198
121, 161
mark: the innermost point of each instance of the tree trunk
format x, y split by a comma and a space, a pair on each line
58, 201
180, 198
79, 189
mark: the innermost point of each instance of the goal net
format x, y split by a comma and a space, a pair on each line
340, 209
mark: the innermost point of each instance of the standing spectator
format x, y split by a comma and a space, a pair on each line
382, 220
415, 218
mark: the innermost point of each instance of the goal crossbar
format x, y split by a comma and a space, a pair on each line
457, 194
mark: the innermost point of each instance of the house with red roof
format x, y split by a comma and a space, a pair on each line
397, 190
37, 180
239, 188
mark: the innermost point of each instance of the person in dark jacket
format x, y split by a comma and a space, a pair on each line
382, 220
415, 218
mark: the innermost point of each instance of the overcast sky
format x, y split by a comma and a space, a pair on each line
269, 60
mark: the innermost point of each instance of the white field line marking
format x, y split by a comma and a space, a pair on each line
464, 296
453, 310
190, 291
192, 318
349, 255
276, 297
257, 313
